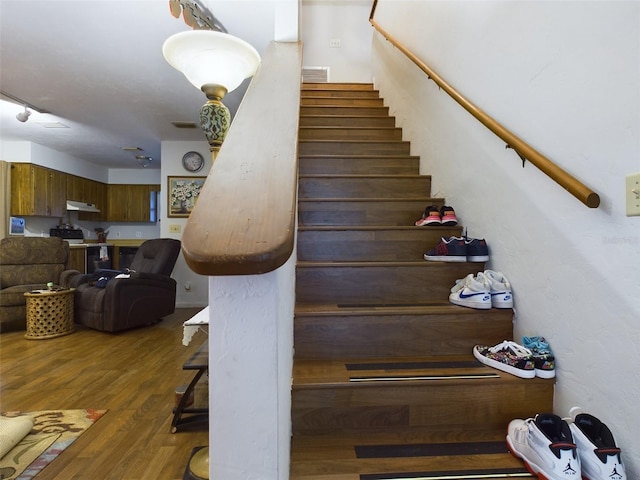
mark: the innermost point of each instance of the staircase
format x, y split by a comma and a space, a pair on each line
385, 385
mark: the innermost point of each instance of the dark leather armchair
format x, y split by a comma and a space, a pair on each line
142, 299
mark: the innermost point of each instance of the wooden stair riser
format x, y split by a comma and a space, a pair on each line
343, 110
335, 93
337, 86
370, 245
358, 165
347, 121
363, 212
350, 133
399, 335
353, 147
455, 404
341, 101
393, 284
361, 186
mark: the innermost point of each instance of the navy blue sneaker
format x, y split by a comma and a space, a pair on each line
477, 250
452, 249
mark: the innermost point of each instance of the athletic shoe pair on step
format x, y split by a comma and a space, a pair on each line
485, 290
554, 449
438, 216
459, 249
534, 360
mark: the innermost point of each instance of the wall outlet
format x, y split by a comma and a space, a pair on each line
187, 286
334, 43
138, 234
174, 228
632, 192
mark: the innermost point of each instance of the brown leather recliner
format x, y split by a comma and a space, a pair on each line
122, 303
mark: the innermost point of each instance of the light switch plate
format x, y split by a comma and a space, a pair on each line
632, 192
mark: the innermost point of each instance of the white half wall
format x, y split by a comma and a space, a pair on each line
564, 76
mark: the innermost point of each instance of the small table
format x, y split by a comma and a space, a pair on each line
49, 313
199, 362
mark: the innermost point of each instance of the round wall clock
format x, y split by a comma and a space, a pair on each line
192, 161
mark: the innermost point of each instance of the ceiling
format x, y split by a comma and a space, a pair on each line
97, 66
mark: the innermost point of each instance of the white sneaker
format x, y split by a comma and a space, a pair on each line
471, 292
546, 446
501, 294
599, 456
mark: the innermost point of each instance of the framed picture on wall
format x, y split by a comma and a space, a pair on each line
182, 195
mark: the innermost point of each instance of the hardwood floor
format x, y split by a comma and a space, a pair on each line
133, 374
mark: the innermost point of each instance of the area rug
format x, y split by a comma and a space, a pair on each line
53, 431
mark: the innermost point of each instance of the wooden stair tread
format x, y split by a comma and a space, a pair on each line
431, 308
328, 228
363, 176
372, 199
438, 371
356, 140
417, 454
405, 263
317, 115
320, 156
365, 85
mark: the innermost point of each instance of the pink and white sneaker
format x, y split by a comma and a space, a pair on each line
431, 216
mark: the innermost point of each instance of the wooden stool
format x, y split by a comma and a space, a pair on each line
49, 313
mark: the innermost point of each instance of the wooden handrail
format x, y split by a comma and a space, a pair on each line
244, 220
523, 149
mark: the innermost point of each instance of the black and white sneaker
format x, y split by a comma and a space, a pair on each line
599, 456
546, 446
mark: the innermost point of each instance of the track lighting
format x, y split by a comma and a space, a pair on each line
23, 116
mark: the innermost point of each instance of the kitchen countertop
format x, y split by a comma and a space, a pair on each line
115, 243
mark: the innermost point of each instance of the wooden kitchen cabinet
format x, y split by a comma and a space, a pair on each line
130, 203
77, 259
37, 190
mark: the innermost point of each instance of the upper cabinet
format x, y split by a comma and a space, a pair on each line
131, 203
37, 190
40, 191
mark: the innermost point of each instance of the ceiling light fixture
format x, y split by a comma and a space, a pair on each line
144, 160
23, 116
215, 63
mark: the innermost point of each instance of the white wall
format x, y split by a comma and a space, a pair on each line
29, 152
346, 20
197, 294
564, 76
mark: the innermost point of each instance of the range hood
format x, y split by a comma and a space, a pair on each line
75, 206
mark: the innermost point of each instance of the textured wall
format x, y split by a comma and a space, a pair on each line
564, 76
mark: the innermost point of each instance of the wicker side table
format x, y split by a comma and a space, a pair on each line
49, 314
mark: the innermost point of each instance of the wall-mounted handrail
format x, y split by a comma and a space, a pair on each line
523, 149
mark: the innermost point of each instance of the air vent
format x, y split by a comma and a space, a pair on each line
52, 125
315, 74
184, 124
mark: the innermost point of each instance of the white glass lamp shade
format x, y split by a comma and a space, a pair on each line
208, 57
